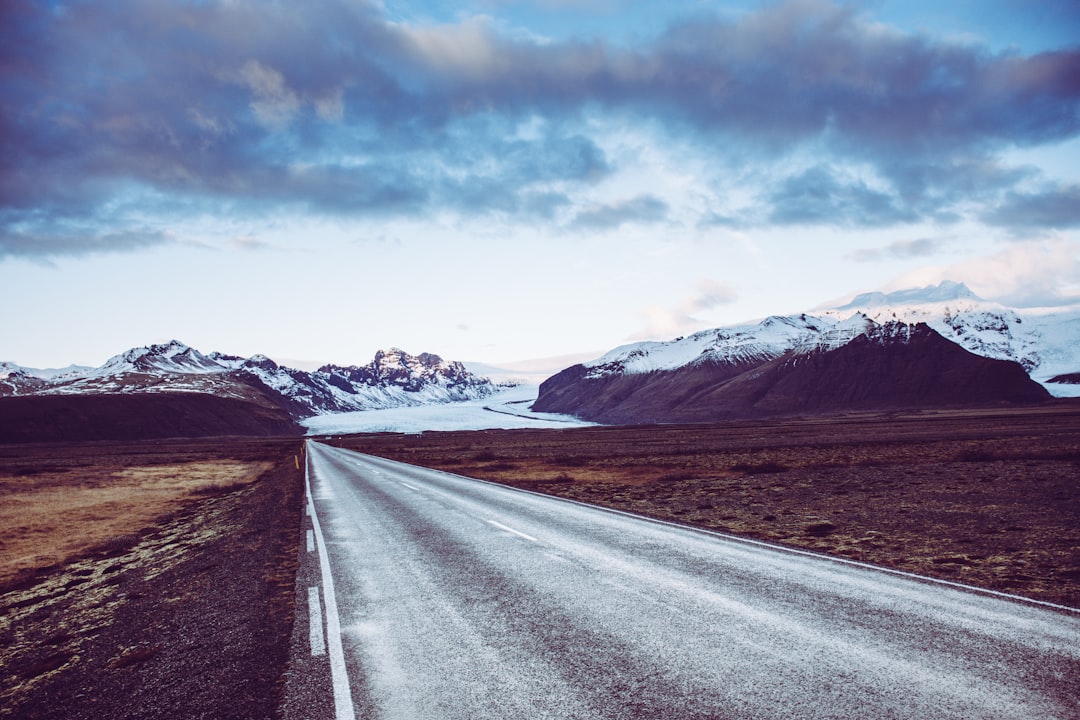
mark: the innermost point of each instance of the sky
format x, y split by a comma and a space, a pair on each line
504, 180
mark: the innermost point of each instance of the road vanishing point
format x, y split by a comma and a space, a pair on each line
435, 596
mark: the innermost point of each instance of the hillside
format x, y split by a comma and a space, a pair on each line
140, 416
884, 367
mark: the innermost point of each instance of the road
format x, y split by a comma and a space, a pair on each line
457, 598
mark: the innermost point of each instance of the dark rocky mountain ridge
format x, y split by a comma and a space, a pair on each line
888, 367
215, 394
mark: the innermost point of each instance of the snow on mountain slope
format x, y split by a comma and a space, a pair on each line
9, 368
393, 379
768, 339
507, 408
1045, 342
740, 344
850, 365
171, 357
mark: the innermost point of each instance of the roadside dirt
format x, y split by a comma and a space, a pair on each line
184, 611
989, 498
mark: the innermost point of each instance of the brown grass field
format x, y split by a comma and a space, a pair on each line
125, 567
986, 498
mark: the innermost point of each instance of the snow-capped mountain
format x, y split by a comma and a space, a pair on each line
804, 368
393, 379
423, 373
1045, 342
17, 380
739, 345
748, 360
171, 357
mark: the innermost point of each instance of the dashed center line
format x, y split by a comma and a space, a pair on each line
499, 525
411, 487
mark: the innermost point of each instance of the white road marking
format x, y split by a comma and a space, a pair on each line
512, 530
411, 487
311, 541
343, 704
315, 632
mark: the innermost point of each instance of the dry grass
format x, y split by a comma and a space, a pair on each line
130, 564
51, 515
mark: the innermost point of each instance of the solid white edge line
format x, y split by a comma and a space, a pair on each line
343, 704
512, 530
311, 541
315, 629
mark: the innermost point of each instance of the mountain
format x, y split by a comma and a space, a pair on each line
393, 379
1046, 342
172, 357
17, 380
879, 352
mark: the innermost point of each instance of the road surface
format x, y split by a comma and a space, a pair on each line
456, 598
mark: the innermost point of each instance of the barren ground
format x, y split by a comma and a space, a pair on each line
147, 580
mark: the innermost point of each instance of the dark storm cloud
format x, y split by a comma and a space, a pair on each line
1057, 207
325, 107
817, 196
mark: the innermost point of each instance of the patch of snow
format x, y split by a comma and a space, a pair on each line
767, 339
72, 371
504, 410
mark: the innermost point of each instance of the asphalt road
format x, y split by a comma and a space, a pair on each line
457, 598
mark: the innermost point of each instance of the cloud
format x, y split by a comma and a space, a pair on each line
900, 250
1057, 207
710, 294
327, 107
249, 243
1040, 273
77, 243
272, 101
666, 323
639, 209
818, 196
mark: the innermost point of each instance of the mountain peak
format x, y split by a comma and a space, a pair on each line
945, 291
172, 356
